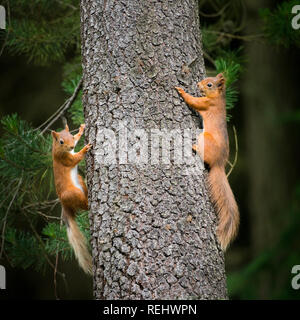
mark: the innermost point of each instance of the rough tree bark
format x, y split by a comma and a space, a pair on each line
152, 226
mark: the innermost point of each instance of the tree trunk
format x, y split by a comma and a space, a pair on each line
152, 225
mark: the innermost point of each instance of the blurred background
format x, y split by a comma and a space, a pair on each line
254, 43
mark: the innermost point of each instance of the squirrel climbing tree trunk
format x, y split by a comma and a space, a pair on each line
153, 227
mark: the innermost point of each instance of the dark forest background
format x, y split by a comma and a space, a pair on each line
257, 37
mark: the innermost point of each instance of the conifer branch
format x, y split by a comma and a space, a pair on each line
65, 106
56, 259
235, 36
6, 214
236, 152
43, 247
216, 14
14, 164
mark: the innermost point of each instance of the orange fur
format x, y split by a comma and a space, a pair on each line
212, 108
71, 189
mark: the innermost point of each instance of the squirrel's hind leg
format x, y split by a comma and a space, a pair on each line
207, 148
75, 199
83, 185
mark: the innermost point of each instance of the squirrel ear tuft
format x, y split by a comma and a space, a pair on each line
67, 128
220, 80
54, 134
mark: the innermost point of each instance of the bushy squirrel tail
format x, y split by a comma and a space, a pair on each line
78, 243
225, 205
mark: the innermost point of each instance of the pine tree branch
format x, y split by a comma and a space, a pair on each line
43, 247
53, 115
236, 153
234, 36
56, 259
29, 145
43, 215
15, 165
216, 14
209, 58
67, 5
6, 214
44, 204
66, 105
7, 195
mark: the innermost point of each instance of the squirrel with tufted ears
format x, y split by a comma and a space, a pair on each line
213, 148
71, 189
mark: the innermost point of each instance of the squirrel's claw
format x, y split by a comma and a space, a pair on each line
88, 146
180, 90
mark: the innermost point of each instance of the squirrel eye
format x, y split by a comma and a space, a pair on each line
209, 84
61, 141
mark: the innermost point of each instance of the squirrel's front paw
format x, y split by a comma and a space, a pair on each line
81, 129
180, 90
88, 147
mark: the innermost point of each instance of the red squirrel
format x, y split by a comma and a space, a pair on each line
71, 189
212, 108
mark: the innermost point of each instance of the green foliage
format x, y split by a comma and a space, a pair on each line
229, 66
209, 39
277, 25
231, 70
25, 162
56, 240
24, 250
43, 30
56, 237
